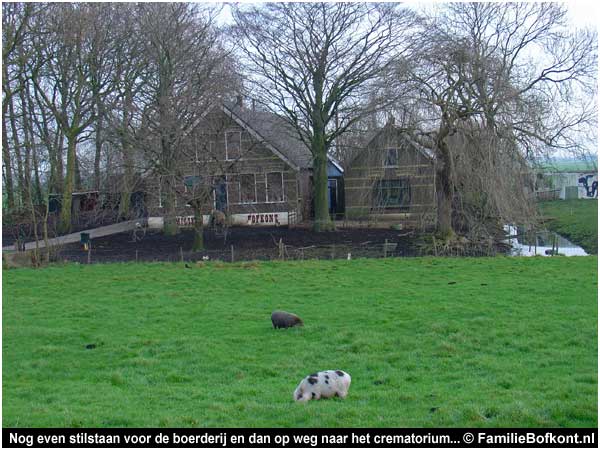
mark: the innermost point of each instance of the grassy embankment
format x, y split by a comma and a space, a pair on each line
577, 220
489, 342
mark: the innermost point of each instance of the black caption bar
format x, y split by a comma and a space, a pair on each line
299, 437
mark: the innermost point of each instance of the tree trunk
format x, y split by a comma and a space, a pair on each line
322, 221
9, 184
36, 178
67, 199
36, 191
198, 227
170, 223
443, 184
98, 154
126, 187
125, 201
17, 147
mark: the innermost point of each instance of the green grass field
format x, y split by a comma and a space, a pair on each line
489, 342
577, 220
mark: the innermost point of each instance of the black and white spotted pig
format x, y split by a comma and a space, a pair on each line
326, 384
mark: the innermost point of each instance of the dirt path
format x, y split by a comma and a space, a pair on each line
75, 237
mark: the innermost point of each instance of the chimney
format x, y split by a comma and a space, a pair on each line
239, 101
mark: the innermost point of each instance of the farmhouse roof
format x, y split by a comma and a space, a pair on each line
277, 132
370, 136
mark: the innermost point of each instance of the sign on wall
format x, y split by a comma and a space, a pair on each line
249, 219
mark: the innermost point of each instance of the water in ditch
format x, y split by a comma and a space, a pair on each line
542, 243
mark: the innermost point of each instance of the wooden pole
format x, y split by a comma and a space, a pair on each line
136, 255
89, 253
385, 246
181, 253
232, 259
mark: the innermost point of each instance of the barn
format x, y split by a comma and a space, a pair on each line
260, 170
392, 180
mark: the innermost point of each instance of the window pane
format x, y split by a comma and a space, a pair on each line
275, 187
392, 193
233, 144
247, 183
261, 188
233, 188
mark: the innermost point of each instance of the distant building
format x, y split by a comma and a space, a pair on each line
571, 185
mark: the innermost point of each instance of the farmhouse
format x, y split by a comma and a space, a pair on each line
392, 180
259, 169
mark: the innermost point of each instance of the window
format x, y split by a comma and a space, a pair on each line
233, 189
391, 158
261, 188
248, 188
241, 188
392, 193
190, 182
275, 187
233, 145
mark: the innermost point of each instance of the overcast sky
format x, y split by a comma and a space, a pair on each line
583, 12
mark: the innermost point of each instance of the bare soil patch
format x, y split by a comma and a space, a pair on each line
248, 244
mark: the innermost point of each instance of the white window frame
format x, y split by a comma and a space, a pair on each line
255, 196
267, 189
240, 148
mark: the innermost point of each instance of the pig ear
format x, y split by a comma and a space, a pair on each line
300, 394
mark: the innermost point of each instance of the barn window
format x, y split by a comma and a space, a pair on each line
391, 157
275, 187
392, 193
233, 145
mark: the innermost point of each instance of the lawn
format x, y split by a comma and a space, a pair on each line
577, 220
488, 342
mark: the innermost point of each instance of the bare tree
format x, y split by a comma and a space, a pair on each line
15, 29
479, 79
318, 64
183, 78
61, 77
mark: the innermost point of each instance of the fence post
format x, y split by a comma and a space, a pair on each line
89, 253
232, 259
136, 255
385, 246
181, 253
